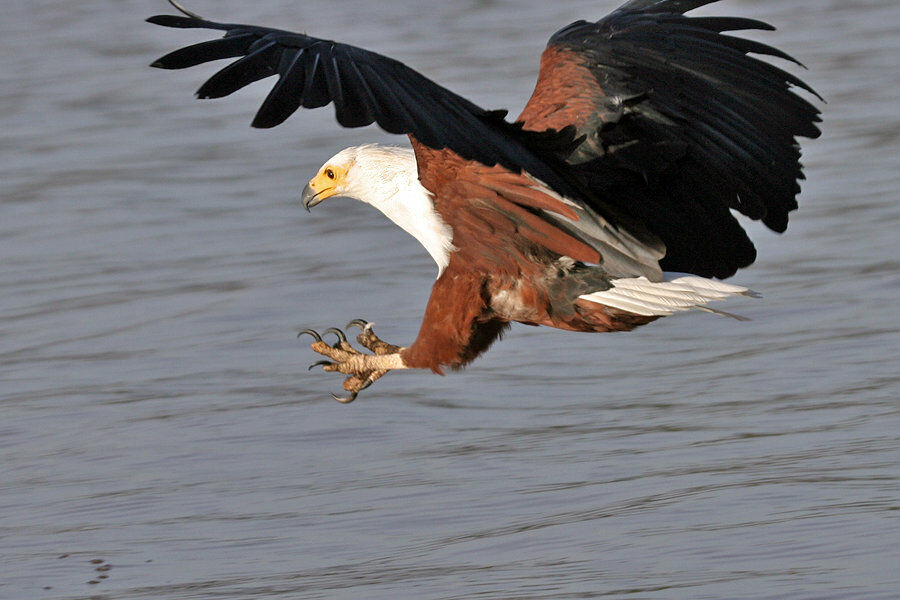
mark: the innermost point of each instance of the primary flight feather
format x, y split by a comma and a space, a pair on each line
608, 203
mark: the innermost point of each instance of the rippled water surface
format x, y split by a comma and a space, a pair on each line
161, 438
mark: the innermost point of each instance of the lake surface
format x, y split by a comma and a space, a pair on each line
161, 438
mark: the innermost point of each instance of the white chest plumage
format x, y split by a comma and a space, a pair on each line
387, 178
412, 209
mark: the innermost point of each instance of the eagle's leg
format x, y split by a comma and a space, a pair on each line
363, 369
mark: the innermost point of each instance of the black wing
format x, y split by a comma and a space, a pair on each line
365, 88
678, 126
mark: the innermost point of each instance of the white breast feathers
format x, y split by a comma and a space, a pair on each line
387, 178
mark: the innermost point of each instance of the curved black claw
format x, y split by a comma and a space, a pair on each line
311, 332
345, 399
321, 363
361, 323
340, 334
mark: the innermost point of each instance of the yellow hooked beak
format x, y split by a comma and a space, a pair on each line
324, 185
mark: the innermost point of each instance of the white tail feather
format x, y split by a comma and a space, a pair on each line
677, 292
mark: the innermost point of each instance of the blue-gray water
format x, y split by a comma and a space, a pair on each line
156, 415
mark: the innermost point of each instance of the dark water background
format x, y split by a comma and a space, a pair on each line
155, 411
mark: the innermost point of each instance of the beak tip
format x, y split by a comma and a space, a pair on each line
308, 198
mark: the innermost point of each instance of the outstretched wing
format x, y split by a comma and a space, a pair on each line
678, 126
655, 121
365, 88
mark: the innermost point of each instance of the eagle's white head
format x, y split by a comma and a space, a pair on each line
387, 178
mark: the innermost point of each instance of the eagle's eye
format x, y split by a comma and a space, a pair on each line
329, 173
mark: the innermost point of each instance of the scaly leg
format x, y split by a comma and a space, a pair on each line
363, 369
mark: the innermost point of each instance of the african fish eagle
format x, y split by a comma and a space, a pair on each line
605, 205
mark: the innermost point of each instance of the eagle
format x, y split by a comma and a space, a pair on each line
609, 202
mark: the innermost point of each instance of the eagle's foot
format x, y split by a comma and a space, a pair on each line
371, 341
363, 369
